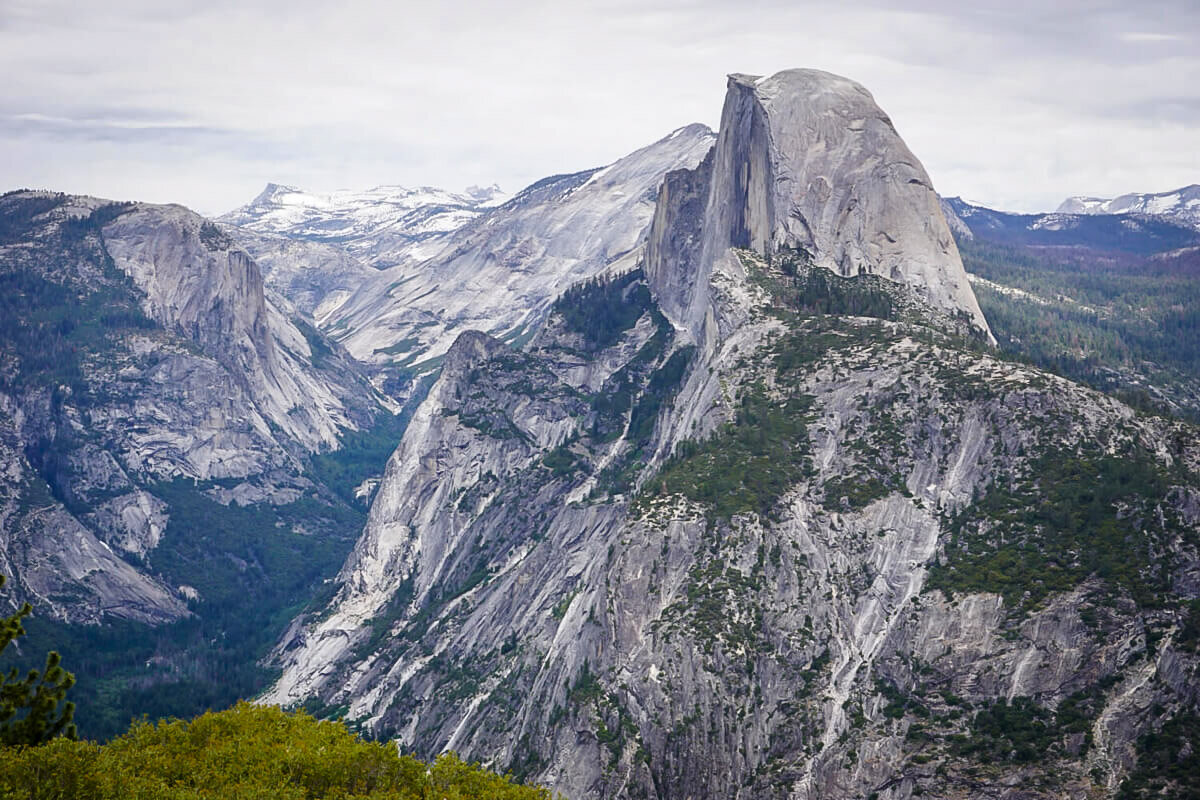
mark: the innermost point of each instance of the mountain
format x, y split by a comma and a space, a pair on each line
174, 445
500, 273
1109, 301
1126, 232
768, 516
384, 226
720, 478
313, 277
1182, 205
802, 187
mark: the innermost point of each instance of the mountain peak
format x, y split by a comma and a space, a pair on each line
1182, 204
271, 191
806, 159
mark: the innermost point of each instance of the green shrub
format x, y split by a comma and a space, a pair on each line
247, 752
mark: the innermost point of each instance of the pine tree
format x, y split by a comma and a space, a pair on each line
33, 709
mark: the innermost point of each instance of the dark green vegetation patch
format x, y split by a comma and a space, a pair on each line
748, 464
254, 567
601, 309
1071, 517
61, 301
1122, 324
1168, 763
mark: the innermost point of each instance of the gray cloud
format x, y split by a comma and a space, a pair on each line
1011, 103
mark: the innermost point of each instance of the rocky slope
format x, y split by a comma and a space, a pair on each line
1182, 205
141, 348
768, 518
313, 277
500, 273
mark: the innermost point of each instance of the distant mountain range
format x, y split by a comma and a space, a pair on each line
1180, 204
384, 226
1129, 232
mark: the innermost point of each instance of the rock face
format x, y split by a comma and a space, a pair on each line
198, 282
313, 277
1181, 204
806, 160
739, 527
500, 273
142, 348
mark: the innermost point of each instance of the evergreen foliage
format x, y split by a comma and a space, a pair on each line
1121, 324
247, 752
361, 455
1072, 517
255, 568
33, 709
808, 289
603, 308
51, 317
749, 463
1020, 732
1168, 763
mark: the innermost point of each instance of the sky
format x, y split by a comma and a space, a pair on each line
1013, 104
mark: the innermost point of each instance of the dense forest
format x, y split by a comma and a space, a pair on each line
1122, 323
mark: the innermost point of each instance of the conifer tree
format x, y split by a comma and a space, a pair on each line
33, 709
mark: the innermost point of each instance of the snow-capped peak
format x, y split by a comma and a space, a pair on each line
384, 226
1181, 204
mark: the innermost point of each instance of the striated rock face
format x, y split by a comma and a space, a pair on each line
500, 273
313, 277
775, 532
66, 569
807, 160
198, 282
141, 348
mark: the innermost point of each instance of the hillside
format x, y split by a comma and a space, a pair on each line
769, 516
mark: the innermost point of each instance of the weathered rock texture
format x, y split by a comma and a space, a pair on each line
499, 273
806, 160
144, 349
565, 576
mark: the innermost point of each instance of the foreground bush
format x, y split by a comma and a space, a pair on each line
245, 753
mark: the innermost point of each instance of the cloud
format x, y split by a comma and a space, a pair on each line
1152, 38
1015, 103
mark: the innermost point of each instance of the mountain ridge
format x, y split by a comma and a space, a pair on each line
1182, 204
384, 226
761, 558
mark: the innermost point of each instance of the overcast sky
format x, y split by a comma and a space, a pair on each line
1014, 104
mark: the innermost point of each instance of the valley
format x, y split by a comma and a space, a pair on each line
744, 466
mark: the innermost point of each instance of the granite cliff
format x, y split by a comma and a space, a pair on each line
766, 515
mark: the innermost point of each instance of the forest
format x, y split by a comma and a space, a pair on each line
1123, 323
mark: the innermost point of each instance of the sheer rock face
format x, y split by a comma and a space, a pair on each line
513, 600
199, 283
806, 159
499, 273
215, 380
314, 277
